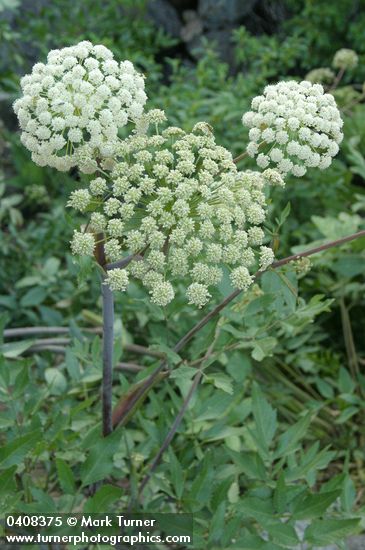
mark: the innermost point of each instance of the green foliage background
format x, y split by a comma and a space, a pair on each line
295, 342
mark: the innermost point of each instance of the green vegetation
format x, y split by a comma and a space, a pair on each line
275, 430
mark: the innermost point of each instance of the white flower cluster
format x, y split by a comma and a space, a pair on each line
294, 126
178, 202
72, 106
345, 59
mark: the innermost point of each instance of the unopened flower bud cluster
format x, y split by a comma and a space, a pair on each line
345, 59
322, 75
294, 126
73, 105
178, 202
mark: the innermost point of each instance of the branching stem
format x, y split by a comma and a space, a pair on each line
214, 312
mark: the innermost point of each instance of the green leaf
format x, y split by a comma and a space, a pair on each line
324, 388
284, 286
183, 373
284, 534
285, 213
43, 502
221, 381
56, 381
33, 297
349, 266
72, 364
288, 441
347, 414
330, 531
14, 349
217, 524
177, 474
313, 460
257, 508
99, 463
51, 267
265, 418
201, 488
65, 477
346, 383
233, 492
263, 348
289, 289
171, 355
259, 304
7, 481
250, 464
14, 452
21, 382
103, 499
314, 506
348, 495
280, 495
253, 542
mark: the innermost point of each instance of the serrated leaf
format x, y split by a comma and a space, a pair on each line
103, 499
99, 463
313, 460
330, 531
65, 477
263, 348
43, 502
253, 542
221, 381
257, 508
314, 506
265, 418
217, 523
280, 494
183, 373
284, 534
287, 442
177, 474
201, 488
7, 481
14, 452
171, 355
249, 463
285, 213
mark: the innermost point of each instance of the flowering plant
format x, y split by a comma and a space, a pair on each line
166, 206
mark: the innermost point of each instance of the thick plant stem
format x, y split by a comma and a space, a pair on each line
108, 341
143, 389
